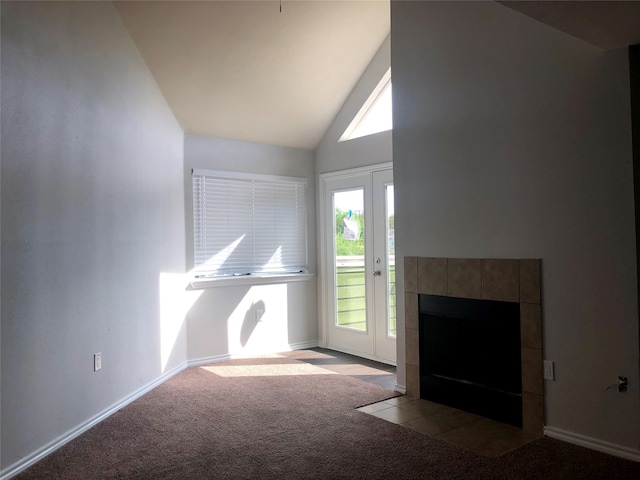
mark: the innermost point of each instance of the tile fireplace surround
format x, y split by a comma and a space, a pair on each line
505, 280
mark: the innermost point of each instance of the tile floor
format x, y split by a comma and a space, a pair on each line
460, 428
463, 429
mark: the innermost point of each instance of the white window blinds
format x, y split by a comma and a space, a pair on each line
245, 224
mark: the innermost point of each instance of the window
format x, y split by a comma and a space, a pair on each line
375, 115
248, 224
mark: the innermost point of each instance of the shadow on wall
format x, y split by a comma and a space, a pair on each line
175, 303
213, 317
225, 321
252, 317
238, 320
209, 321
302, 308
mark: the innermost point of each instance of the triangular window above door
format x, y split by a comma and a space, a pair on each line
375, 115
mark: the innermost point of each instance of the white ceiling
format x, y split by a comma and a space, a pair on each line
244, 70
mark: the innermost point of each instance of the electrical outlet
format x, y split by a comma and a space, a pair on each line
97, 361
259, 314
548, 372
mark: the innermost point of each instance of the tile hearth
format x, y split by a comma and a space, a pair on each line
462, 429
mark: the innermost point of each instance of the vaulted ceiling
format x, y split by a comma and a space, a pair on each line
278, 72
248, 71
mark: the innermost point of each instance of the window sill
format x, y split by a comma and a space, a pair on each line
257, 279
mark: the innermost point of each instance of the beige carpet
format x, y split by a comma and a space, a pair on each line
274, 418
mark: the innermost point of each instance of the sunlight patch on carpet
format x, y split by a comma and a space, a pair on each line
268, 370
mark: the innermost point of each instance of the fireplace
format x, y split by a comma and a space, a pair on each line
470, 356
512, 289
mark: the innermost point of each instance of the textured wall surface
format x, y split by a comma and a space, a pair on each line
92, 221
513, 140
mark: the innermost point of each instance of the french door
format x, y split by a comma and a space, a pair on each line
358, 262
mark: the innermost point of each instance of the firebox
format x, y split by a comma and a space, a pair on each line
470, 355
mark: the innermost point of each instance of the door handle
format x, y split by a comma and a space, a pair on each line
377, 273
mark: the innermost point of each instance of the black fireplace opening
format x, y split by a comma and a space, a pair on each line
470, 356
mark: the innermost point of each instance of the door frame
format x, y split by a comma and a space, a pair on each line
325, 250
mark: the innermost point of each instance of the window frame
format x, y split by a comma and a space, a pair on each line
202, 278
350, 132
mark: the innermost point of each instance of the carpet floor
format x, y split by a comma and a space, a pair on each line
276, 417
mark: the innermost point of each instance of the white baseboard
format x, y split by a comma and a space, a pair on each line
39, 454
593, 443
205, 360
401, 389
221, 358
303, 345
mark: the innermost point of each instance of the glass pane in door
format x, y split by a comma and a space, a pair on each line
391, 262
349, 259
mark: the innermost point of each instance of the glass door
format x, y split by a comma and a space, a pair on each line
358, 264
384, 273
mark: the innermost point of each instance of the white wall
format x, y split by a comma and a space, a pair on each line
331, 156
221, 322
512, 140
92, 221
